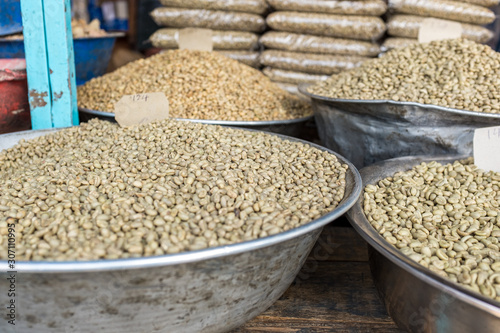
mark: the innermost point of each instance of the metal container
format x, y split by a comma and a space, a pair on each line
11, 48
211, 290
290, 127
368, 131
14, 104
10, 18
416, 298
92, 54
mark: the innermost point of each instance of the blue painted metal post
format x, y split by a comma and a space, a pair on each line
36, 64
50, 67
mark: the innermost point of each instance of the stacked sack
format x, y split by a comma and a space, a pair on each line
235, 25
407, 15
313, 39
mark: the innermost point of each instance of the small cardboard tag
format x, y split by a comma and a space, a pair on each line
487, 148
195, 39
435, 29
139, 109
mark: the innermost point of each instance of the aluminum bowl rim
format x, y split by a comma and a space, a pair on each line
204, 254
361, 224
303, 89
215, 122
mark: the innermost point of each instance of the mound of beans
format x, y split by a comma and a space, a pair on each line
445, 217
459, 74
100, 191
198, 85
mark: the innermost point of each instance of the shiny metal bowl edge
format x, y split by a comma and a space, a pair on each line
290, 127
388, 129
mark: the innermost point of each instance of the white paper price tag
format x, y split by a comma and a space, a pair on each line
139, 109
435, 29
487, 148
195, 39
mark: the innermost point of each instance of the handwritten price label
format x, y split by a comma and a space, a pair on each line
435, 29
487, 148
494, 133
139, 109
140, 97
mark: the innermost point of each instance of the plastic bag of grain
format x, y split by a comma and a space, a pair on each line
210, 19
448, 10
290, 87
246, 57
316, 44
368, 8
247, 6
408, 26
281, 75
343, 26
309, 62
397, 42
482, 3
168, 38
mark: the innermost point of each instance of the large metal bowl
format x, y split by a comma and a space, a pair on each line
211, 290
416, 298
387, 129
290, 127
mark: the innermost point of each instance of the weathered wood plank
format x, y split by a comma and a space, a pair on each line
36, 64
336, 297
316, 327
334, 292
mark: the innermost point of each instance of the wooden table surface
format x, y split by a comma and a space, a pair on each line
334, 291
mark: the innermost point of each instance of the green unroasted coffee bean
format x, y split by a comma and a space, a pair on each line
436, 73
198, 85
198, 186
459, 246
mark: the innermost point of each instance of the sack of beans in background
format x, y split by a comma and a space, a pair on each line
168, 38
250, 58
482, 3
343, 26
235, 25
309, 63
444, 9
238, 45
368, 7
293, 42
209, 19
408, 25
311, 39
397, 42
293, 77
258, 7
406, 18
